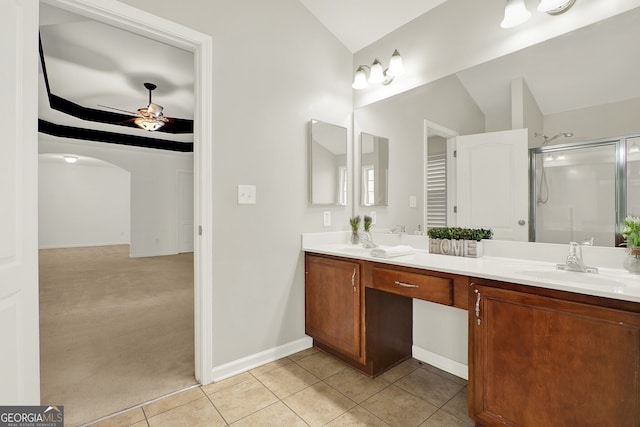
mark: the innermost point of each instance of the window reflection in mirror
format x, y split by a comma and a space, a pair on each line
633, 176
374, 161
328, 164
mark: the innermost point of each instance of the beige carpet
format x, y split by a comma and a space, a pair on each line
114, 331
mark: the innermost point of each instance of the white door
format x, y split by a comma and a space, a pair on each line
185, 211
19, 339
492, 183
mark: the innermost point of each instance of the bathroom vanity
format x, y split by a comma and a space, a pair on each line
538, 353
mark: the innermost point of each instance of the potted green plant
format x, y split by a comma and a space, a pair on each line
458, 241
366, 238
355, 225
631, 235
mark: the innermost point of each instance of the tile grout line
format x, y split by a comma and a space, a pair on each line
216, 408
115, 414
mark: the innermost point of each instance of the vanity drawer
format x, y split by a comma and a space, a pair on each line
413, 285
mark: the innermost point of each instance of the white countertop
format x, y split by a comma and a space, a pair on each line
609, 282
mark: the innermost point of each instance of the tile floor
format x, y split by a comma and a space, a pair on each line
312, 388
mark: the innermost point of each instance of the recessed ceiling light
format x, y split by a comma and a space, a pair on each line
70, 159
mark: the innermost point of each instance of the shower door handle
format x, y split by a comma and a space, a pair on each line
522, 222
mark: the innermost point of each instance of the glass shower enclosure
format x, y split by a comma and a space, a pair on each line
581, 192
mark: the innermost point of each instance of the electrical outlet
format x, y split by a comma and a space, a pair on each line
326, 218
246, 194
413, 201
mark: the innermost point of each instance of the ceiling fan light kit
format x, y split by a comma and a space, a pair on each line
149, 124
151, 118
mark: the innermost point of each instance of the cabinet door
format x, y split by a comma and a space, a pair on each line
332, 303
540, 361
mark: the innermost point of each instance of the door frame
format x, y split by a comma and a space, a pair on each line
450, 135
179, 193
145, 24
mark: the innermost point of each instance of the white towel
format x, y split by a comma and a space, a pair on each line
391, 251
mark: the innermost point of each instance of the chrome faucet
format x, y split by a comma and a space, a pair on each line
398, 229
574, 261
588, 241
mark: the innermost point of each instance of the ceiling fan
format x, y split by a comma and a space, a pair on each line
149, 118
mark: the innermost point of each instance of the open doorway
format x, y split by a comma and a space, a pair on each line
200, 165
116, 330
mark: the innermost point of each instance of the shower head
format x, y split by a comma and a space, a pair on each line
547, 140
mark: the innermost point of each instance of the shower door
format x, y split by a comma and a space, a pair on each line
577, 192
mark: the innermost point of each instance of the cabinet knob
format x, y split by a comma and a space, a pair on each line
522, 222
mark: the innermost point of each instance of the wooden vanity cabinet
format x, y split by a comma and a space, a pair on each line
372, 331
333, 304
362, 311
551, 358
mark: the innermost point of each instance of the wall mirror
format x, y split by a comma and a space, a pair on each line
583, 83
328, 173
374, 170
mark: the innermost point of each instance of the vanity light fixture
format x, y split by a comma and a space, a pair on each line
555, 7
376, 74
70, 159
515, 11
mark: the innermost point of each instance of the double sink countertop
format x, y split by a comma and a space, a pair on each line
531, 264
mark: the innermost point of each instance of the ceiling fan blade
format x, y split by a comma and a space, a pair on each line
118, 109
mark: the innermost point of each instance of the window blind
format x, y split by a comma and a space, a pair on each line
436, 191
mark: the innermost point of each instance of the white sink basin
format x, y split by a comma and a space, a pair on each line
603, 278
354, 249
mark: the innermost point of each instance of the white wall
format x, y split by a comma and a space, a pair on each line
82, 204
154, 193
600, 121
275, 68
525, 112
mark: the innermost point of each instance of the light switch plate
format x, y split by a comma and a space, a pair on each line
246, 194
413, 201
373, 218
326, 218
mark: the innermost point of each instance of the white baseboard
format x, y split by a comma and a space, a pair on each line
81, 245
253, 361
150, 254
456, 368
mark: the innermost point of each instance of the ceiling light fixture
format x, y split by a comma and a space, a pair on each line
555, 7
149, 123
70, 159
376, 74
516, 13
